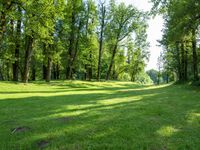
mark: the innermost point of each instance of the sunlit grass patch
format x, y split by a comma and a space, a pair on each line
167, 131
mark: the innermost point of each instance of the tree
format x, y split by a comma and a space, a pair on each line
123, 21
180, 35
102, 18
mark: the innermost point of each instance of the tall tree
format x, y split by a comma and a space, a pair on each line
102, 19
123, 21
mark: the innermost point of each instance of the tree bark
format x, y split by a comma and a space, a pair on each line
1, 74
182, 62
49, 66
112, 61
195, 57
71, 44
8, 70
57, 71
186, 64
28, 55
54, 73
6, 6
17, 47
103, 9
33, 69
179, 61
2, 28
44, 70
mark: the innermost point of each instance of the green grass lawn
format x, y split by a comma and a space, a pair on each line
89, 115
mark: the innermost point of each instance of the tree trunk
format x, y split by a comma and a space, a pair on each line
1, 74
90, 73
195, 57
33, 70
6, 6
179, 61
17, 47
49, 66
74, 54
54, 73
167, 78
182, 62
28, 55
133, 77
44, 68
57, 71
186, 64
8, 70
101, 41
112, 61
85, 74
71, 44
90, 68
2, 28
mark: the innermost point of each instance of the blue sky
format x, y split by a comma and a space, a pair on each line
154, 31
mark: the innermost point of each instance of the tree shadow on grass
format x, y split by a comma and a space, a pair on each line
74, 87
132, 119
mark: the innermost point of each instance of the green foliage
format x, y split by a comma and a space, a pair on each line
153, 74
143, 78
60, 39
180, 37
124, 77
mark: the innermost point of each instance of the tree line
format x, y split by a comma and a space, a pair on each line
180, 38
71, 39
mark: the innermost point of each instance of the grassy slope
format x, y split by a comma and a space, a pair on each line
89, 115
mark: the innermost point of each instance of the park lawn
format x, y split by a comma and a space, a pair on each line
78, 115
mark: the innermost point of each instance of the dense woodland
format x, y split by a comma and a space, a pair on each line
73, 39
180, 42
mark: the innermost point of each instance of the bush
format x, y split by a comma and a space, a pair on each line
143, 78
124, 77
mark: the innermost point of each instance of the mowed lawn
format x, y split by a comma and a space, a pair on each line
79, 115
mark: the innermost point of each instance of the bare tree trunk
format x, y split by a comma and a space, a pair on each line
90, 68
195, 57
182, 62
179, 61
49, 66
2, 28
1, 74
28, 55
44, 70
57, 71
186, 64
85, 74
33, 76
8, 70
33, 70
103, 10
71, 44
6, 6
76, 47
17, 47
54, 73
112, 61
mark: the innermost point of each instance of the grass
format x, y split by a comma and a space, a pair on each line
109, 115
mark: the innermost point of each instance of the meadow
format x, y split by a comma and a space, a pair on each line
79, 115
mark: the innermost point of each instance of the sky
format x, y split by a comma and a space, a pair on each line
154, 31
